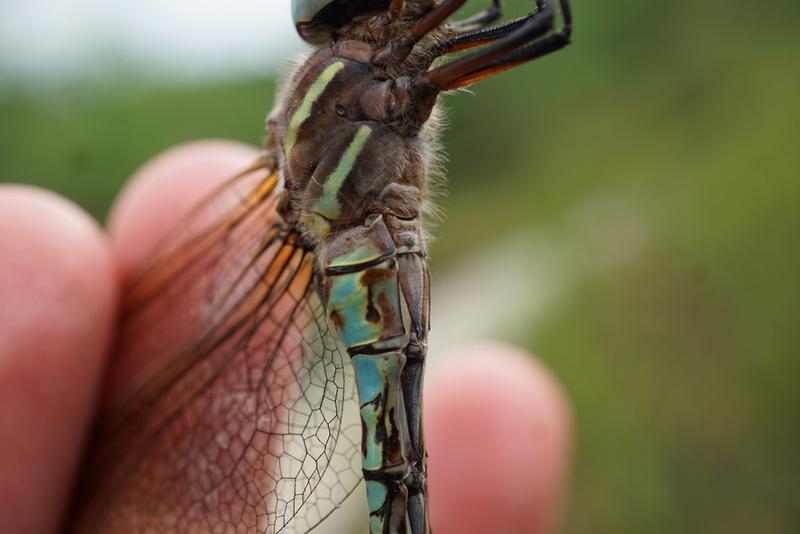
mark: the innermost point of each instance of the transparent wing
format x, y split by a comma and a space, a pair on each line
225, 408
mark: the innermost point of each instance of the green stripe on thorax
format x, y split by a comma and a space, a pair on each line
304, 111
328, 204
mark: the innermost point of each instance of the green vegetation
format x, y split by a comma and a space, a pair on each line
682, 361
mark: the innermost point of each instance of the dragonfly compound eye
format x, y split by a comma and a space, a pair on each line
318, 20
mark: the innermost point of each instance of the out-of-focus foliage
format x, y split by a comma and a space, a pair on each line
679, 119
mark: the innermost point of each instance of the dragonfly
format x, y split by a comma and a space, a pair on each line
272, 350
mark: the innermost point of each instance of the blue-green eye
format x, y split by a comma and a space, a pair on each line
306, 10
306, 16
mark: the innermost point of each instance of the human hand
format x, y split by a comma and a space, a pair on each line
497, 426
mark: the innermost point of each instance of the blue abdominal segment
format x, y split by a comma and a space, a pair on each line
365, 306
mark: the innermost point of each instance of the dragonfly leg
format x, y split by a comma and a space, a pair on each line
508, 45
375, 291
398, 49
480, 36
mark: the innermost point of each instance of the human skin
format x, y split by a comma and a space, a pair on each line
497, 424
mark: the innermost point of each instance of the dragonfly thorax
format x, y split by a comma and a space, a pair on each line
350, 134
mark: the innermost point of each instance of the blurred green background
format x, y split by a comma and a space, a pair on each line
657, 160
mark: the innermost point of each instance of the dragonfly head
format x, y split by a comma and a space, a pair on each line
317, 21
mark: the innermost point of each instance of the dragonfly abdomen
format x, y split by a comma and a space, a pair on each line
376, 294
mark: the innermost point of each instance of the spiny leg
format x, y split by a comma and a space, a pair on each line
484, 36
527, 53
520, 45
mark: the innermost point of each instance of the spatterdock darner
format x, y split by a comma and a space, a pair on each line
305, 271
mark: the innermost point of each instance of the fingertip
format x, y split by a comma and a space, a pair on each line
497, 430
56, 321
164, 189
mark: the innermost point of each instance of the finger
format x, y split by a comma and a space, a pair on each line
497, 431
163, 190
151, 205
157, 335
57, 299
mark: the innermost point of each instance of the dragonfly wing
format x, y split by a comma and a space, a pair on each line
225, 407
